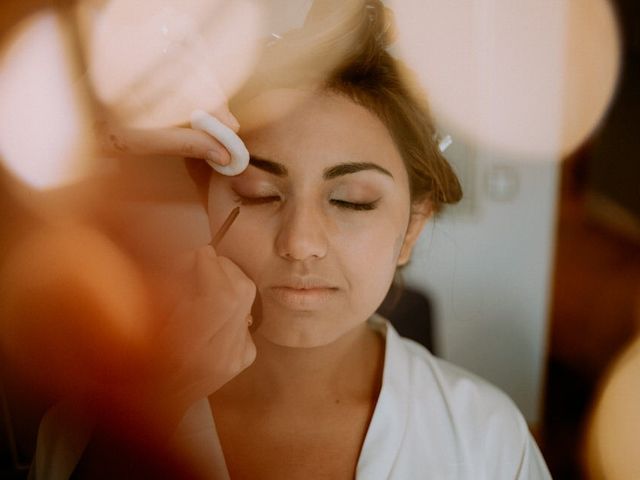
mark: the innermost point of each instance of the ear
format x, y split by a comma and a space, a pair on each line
420, 213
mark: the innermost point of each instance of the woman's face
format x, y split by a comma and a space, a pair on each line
324, 210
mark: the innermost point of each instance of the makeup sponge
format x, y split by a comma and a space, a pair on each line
201, 120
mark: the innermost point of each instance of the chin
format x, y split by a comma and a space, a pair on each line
302, 329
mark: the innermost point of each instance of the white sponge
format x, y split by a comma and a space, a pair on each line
201, 120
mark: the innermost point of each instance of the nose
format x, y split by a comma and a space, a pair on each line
302, 234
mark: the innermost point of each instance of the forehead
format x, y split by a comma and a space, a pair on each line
316, 129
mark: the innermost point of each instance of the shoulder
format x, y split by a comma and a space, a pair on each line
473, 422
470, 401
460, 386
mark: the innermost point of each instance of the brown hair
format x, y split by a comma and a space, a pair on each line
342, 48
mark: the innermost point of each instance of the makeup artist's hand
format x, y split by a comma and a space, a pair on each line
206, 341
77, 321
172, 141
86, 323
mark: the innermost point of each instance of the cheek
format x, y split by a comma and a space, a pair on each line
373, 246
379, 234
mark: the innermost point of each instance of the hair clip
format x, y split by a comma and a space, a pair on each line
444, 143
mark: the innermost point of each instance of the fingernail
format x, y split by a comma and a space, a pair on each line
221, 157
233, 123
226, 117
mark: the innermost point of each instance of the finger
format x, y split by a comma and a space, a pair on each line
201, 120
233, 348
224, 296
242, 284
245, 351
178, 141
199, 285
250, 350
233, 289
210, 276
225, 116
229, 285
240, 350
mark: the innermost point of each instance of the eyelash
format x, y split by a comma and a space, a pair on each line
256, 200
338, 203
354, 206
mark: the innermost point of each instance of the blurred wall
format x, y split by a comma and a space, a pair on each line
486, 264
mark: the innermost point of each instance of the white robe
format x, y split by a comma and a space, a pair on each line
432, 420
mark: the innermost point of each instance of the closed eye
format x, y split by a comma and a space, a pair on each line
244, 200
354, 205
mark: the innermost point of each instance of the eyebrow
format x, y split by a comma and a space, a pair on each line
347, 168
269, 166
339, 170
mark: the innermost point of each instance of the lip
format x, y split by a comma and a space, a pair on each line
307, 297
304, 283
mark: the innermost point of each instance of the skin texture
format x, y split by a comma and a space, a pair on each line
294, 229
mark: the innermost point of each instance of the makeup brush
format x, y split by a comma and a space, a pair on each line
217, 238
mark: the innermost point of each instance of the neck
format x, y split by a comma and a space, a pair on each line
349, 368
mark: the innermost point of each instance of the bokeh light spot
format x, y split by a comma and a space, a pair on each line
530, 78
